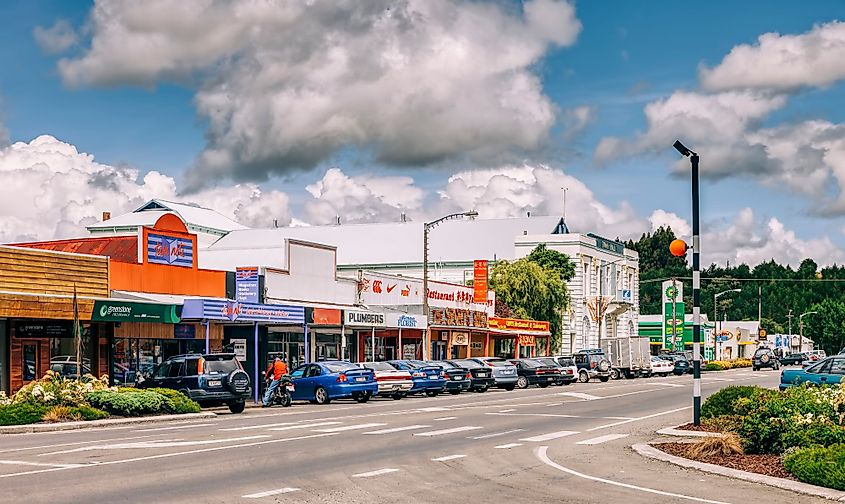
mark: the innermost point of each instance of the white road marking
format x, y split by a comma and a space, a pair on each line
508, 446
507, 410
174, 427
268, 493
433, 408
496, 434
663, 384
350, 427
303, 426
708, 379
374, 473
549, 436
36, 464
445, 418
447, 431
397, 429
541, 454
549, 405
602, 439
447, 457
256, 427
559, 415
73, 444
579, 395
163, 443
638, 418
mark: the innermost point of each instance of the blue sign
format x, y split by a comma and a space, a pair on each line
235, 311
169, 250
246, 284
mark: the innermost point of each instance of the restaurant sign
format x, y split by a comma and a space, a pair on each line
453, 317
508, 324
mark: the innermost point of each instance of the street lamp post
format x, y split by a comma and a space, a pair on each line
801, 326
428, 226
715, 312
696, 285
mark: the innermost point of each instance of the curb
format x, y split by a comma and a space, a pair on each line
651, 452
109, 422
674, 431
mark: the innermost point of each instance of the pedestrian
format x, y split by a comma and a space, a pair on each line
276, 370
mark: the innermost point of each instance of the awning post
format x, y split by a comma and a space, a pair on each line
207, 341
255, 353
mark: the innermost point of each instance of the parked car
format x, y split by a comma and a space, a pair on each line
764, 358
428, 379
457, 378
592, 363
565, 366
830, 371
682, 365
482, 376
67, 368
661, 367
794, 358
209, 379
533, 372
392, 382
325, 381
504, 373
817, 355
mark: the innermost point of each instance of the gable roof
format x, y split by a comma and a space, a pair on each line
119, 248
194, 216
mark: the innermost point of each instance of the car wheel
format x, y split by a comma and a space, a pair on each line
566, 383
397, 396
321, 396
542, 385
431, 393
510, 387
481, 390
522, 382
583, 376
454, 392
604, 378
614, 373
362, 398
754, 368
237, 406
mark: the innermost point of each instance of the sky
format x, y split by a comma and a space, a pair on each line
303, 112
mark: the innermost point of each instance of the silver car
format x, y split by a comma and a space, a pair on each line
504, 373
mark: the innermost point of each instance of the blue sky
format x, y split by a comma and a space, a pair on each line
626, 55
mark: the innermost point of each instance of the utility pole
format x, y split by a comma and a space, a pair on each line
789, 316
759, 305
564, 202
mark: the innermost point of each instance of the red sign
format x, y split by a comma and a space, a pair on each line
508, 324
479, 282
326, 316
526, 340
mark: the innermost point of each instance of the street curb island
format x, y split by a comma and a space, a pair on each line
648, 451
109, 422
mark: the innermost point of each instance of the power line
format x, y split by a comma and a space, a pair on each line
732, 279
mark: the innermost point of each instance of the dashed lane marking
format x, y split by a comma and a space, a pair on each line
158, 443
549, 436
614, 424
662, 384
350, 427
508, 446
175, 427
445, 418
256, 427
579, 395
303, 426
37, 464
398, 429
507, 410
496, 434
447, 457
268, 493
601, 439
375, 473
447, 431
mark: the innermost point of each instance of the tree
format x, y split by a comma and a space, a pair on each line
827, 328
553, 260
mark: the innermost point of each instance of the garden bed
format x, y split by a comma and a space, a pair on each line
697, 428
769, 465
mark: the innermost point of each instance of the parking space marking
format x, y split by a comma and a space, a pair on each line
268, 493
601, 439
549, 436
579, 395
175, 427
496, 434
303, 426
614, 424
375, 473
508, 446
350, 427
398, 429
447, 431
444, 418
447, 457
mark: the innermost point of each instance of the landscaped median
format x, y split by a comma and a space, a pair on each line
54, 399
791, 436
722, 365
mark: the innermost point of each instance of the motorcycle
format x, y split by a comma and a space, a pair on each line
282, 394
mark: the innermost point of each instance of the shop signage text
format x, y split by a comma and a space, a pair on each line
377, 289
405, 320
246, 284
323, 316
479, 281
128, 311
458, 318
368, 319
460, 338
605, 244
43, 329
233, 311
508, 324
239, 347
170, 250
526, 340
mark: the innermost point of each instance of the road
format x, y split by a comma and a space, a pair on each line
569, 444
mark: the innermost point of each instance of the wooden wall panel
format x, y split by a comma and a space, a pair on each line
163, 331
46, 272
43, 307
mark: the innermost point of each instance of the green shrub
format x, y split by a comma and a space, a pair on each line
177, 402
88, 413
723, 401
55, 390
132, 402
20, 414
823, 466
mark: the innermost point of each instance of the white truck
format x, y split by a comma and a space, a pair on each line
629, 357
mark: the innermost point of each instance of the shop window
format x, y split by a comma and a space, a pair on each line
30, 362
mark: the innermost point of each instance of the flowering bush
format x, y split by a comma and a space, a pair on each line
56, 390
4, 401
721, 365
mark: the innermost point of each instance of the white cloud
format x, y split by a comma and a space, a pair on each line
285, 85
57, 39
576, 120
50, 190
662, 218
782, 62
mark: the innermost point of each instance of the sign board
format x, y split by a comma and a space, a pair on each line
363, 319
609, 245
627, 296
324, 316
184, 331
762, 334
129, 311
233, 311
378, 289
458, 318
43, 329
673, 319
246, 284
239, 347
479, 281
409, 351
508, 324
476, 346
170, 250
460, 338
527, 340
405, 320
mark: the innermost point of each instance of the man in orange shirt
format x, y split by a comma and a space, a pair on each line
277, 370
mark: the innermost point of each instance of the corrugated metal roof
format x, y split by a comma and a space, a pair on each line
119, 248
148, 213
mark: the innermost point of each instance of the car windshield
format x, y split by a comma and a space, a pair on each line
497, 362
762, 351
444, 365
379, 366
816, 367
339, 367
221, 366
469, 364
548, 362
532, 363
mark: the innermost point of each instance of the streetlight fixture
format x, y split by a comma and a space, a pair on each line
696, 285
715, 312
428, 226
801, 325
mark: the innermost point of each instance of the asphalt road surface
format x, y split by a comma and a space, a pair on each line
559, 444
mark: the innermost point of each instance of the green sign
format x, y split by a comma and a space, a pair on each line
674, 332
129, 311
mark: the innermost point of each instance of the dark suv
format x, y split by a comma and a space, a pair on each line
764, 357
210, 379
592, 363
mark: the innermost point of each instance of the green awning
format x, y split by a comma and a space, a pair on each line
130, 311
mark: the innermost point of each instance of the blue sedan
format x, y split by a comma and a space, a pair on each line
427, 378
830, 371
322, 382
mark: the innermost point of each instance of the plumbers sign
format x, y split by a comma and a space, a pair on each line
365, 319
170, 250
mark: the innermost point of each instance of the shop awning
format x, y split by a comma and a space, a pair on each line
117, 310
228, 310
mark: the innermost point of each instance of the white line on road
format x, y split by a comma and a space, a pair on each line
256, 427
667, 384
268, 493
74, 443
559, 415
433, 408
601, 439
507, 410
508, 446
304, 426
541, 454
397, 429
445, 418
447, 457
374, 473
549, 436
174, 427
158, 443
638, 418
350, 427
447, 431
580, 395
36, 464
496, 434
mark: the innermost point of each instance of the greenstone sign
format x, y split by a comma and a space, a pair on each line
130, 311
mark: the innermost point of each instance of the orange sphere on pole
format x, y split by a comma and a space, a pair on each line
678, 248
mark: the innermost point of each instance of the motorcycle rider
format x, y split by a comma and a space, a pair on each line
276, 370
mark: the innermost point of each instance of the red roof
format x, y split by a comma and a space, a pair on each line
119, 248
